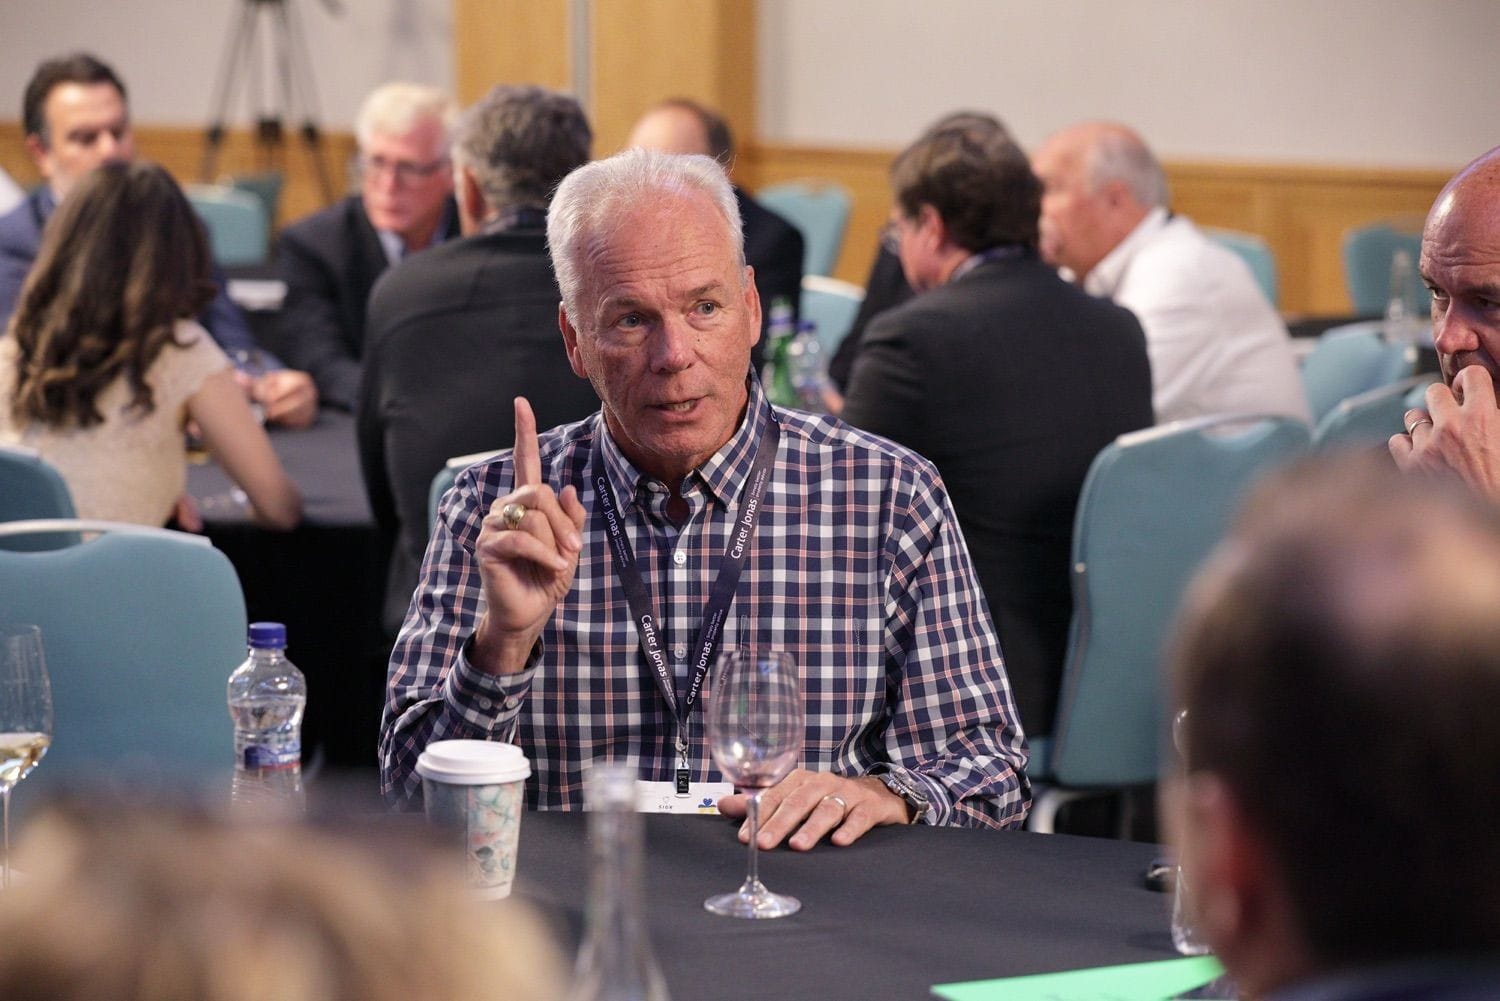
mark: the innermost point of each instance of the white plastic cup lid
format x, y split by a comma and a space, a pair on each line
473, 762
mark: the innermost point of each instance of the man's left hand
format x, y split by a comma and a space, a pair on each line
814, 803
289, 398
1459, 431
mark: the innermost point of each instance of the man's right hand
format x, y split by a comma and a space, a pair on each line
1459, 432
526, 570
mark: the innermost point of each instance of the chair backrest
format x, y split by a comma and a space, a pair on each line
236, 222
1369, 418
141, 628
1153, 504
1256, 253
831, 304
443, 479
1369, 255
820, 210
1352, 359
31, 487
266, 187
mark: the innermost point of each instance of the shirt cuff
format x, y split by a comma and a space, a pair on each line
489, 702
939, 807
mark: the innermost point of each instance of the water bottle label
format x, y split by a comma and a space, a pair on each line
259, 756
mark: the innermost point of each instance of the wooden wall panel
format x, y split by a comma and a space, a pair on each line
510, 41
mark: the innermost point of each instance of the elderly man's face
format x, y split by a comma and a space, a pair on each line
666, 326
405, 180
87, 124
1461, 265
1074, 227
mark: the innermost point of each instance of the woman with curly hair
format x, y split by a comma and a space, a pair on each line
103, 364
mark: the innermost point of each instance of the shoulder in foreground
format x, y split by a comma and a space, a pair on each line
840, 442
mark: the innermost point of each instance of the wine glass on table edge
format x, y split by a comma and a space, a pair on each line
756, 725
25, 716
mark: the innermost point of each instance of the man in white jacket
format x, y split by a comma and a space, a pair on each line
1216, 344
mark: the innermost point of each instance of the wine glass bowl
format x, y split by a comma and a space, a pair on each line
25, 716
756, 724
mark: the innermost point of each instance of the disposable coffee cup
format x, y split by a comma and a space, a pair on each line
474, 788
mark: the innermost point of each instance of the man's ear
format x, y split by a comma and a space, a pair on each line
37, 150
931, 227
752, 303
472, 208
570, 341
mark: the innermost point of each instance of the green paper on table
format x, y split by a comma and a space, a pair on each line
1133, 982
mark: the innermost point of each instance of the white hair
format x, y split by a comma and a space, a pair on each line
592, 200
396, 108
1119, 155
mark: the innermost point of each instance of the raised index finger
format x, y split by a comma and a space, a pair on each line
527, 458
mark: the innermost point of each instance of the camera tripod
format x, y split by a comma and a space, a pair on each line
292, 70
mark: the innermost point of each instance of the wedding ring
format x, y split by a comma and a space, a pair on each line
843, 807
512, 514
1418, 423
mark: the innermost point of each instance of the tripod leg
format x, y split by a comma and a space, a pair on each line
237, 50
298, 83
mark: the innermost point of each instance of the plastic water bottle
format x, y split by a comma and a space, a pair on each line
615, 962
267, 695
809, 371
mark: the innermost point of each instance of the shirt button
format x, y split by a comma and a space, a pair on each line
512, 702
485, 703
680, 652
679, 557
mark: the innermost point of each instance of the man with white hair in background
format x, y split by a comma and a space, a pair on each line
1216, 344
330, 259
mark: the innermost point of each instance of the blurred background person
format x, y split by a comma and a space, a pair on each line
75, 116
1339, 662
773, 246
103, 364
1217, 344
157, 905
967, 373
457, 333
330, 259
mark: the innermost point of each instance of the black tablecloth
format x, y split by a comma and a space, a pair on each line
888, 917
324, 580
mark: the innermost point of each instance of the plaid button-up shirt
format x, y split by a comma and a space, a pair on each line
857, 568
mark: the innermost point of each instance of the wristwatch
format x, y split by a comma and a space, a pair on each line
909, 789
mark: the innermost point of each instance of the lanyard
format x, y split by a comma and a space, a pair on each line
720, 596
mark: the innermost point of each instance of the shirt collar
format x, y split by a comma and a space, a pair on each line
514, 217
725, 472
1107, 275
395, 248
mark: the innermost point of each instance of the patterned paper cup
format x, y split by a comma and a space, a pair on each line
474, 788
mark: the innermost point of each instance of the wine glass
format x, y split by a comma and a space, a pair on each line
25, 716
755, 724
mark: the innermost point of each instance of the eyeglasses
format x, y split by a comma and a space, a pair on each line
404, 171
890, 238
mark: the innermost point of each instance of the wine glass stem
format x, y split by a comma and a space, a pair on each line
5, 811
753, 810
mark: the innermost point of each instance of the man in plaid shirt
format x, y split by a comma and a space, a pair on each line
521, 627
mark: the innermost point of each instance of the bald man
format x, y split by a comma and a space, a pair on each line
1459, 430
773, 246
1216, 344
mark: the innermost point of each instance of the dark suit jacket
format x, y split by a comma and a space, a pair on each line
455, 334
330, 261
21, 237
1010, 380
773, 247
884, 288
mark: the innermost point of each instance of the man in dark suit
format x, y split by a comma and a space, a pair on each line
456, 333
773, 246
76, 117
1339, 665
331, 259
1006, 377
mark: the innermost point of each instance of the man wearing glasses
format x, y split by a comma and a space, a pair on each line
330, 260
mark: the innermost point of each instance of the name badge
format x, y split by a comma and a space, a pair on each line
663, 797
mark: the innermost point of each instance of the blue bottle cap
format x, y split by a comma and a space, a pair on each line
267, 635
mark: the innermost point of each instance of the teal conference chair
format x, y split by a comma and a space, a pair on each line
1352, 359
820, 210
31, 487
831, 304
1153, 504
1256, 253
1370, 269
1370, 418
265, 187
141, 628
238, 229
